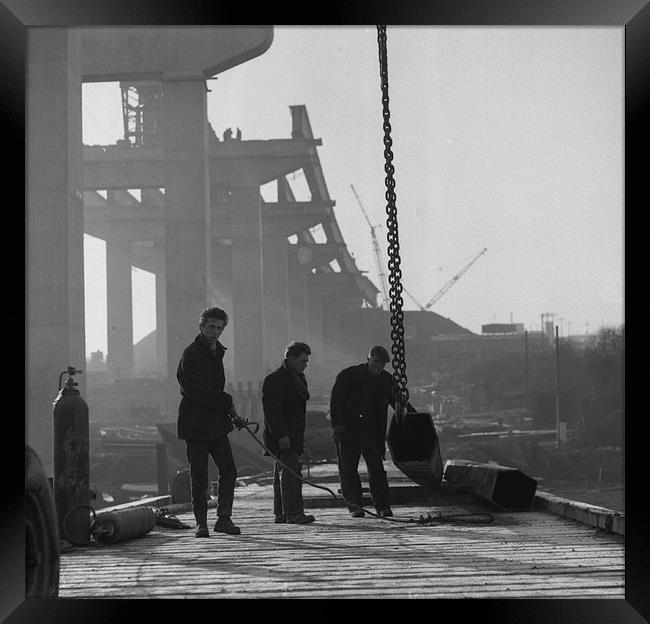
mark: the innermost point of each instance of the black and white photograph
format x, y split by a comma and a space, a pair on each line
330, 312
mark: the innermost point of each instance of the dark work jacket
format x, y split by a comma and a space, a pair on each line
284, 410
359, 399
203, 411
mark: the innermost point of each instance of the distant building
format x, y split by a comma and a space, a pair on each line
96, 362
503, 328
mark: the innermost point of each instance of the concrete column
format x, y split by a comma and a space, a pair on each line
119, 309
276, 292
221, 286
315, 320
335, 354
221, 296
187, 203
247, 318
297, 302
161, 316
54, 271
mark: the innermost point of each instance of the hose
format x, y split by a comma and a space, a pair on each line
64, 527
467, 518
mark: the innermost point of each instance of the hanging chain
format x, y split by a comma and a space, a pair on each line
395, 273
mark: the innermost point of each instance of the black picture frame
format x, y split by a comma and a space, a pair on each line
17, 16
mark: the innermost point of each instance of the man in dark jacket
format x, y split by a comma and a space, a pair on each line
358, 412
205, 417
284, 399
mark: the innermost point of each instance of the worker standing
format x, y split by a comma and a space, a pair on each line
359, 411
284, 399
205, 418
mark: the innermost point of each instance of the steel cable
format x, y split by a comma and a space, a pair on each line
468, 518
392, 236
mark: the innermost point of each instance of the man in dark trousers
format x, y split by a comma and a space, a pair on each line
284, 399
358, 412
205, 417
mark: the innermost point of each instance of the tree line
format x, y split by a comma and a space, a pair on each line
590, 384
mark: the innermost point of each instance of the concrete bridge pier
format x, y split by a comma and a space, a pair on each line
119, 309
297, 302
276, 291
187, 205
247, 282
315, 319
55, 260
161, 315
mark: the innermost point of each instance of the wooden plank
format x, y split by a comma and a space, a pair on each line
600, 517
151, 501
531, 554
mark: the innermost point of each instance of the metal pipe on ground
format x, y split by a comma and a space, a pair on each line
117, 526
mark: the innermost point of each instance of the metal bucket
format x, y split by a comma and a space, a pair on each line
415, 449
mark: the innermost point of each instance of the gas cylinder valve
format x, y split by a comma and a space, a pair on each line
71, 371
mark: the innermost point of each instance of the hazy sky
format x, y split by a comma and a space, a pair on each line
505, 138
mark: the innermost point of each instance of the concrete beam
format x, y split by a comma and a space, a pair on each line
112, 167
146, 222
164, 51
239, 162
599, 517
313, 255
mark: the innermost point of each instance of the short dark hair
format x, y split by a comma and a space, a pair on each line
380, 353
213, 313
295, 348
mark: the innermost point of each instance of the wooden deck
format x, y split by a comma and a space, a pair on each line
532, 554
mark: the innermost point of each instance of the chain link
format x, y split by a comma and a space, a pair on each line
395, 272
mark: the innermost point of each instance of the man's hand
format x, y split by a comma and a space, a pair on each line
284, 443
337, 432
235, 418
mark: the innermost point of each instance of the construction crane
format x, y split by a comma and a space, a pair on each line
382, 274
453, 280
376, 248
412, 297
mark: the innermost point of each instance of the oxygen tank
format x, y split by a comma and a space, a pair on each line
119, 525
71, 460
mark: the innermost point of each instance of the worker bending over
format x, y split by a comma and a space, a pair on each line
359, 411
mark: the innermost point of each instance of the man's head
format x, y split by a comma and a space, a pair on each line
297, 354
377, 359
212, 323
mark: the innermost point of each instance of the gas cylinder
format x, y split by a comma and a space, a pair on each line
122, 524
71, 459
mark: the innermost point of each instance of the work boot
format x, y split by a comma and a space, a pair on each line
357, 513
385, 513
300, 519
201, 531
224, 525
280, 520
